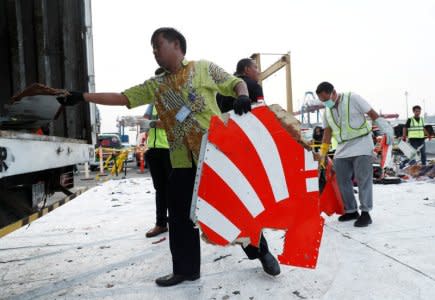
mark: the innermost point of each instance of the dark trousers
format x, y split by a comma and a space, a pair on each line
183, 237
254, 252
160, 168
415, 143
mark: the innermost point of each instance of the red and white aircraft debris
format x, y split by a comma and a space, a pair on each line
252, 175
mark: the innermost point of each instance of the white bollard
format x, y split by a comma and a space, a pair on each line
86, 170
100, 152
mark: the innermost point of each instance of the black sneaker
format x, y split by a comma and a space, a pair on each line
348, 217
270, 264
174, 279
364, 220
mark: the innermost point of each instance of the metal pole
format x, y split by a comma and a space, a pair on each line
90, 66
256, 57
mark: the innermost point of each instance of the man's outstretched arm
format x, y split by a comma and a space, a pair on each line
106, 98
99, 98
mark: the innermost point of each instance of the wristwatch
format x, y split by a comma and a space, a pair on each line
153, 124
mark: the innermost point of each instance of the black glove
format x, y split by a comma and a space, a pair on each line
72, 99
242, 105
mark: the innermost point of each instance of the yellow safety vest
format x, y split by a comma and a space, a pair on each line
416, 129
343, 132
157, 136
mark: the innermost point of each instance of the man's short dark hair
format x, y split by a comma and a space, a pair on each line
159, 71
324, 87
242, 64
416, 107
171, 35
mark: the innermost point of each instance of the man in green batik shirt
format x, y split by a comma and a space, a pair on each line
184, 96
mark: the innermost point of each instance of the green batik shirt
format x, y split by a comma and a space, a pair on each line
194, 86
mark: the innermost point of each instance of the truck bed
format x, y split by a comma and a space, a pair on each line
26, 153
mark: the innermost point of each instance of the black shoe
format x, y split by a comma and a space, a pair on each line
173, 279
348, 217
270, 264
364, 220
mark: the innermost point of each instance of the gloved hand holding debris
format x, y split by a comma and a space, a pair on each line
72, 99
386, 129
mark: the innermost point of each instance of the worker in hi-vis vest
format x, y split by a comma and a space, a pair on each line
345, 120
416, 133
157, 158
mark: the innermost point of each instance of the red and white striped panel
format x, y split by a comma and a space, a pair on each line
253, 175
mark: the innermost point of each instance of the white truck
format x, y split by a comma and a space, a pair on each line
49, 42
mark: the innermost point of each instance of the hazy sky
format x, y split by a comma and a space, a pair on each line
378, 49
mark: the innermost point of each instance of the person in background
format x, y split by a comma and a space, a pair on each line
248, 71
185, 99
159, 163
345, 119
415, 132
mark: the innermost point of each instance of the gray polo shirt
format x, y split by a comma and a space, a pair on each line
360, 146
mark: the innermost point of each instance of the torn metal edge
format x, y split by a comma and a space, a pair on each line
193, 215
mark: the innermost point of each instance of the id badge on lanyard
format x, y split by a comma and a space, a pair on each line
182, 114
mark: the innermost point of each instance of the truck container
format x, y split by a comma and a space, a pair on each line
49, 42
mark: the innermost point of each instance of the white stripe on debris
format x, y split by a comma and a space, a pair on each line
212, 218
266, 148
234, 178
